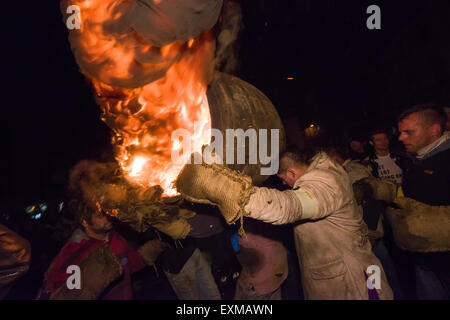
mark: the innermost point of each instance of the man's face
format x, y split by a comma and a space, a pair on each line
380, 141
413, 134
99, 223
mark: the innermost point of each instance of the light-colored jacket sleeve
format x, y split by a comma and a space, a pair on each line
274, 206
316, 194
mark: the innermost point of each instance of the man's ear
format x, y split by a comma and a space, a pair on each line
435, 130
291, 173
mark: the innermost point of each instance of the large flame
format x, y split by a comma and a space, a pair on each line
145, 92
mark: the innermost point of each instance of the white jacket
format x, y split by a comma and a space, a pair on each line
331, 237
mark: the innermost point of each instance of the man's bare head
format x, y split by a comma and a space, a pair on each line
429, 114
420, 126
293, 163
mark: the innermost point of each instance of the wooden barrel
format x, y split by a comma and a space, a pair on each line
236, 104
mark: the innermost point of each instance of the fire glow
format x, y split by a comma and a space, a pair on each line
145, 92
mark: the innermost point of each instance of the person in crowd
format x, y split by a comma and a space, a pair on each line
269, 270
15, 257
264, 261
213, 237
381, 159
420, 219
358, 145
104, 258
190, 265
333, 249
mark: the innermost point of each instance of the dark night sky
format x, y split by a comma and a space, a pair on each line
344, 74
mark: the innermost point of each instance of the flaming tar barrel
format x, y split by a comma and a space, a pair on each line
237, 107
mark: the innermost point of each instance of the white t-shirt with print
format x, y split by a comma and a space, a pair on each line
387, 168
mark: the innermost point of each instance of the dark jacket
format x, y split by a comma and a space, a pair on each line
208, 233
428, 180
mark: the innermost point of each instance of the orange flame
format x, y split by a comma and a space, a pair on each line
142, 104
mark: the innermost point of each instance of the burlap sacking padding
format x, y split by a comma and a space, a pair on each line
216, 185
362, 191
98, 270
385, 190
176, 229
378, 189
169, 219
151, 250
419, 227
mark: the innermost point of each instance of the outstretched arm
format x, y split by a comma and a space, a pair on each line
273, 206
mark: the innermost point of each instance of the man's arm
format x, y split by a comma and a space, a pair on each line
273, 206
317, 195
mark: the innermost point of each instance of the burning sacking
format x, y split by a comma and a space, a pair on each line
150, 63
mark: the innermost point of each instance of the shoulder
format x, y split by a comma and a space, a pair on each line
78, 236
79, 242
324, 173
320, 176
369, 162
68, 251
370, 156
441, 152
439, 159
72, 247
444, 153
